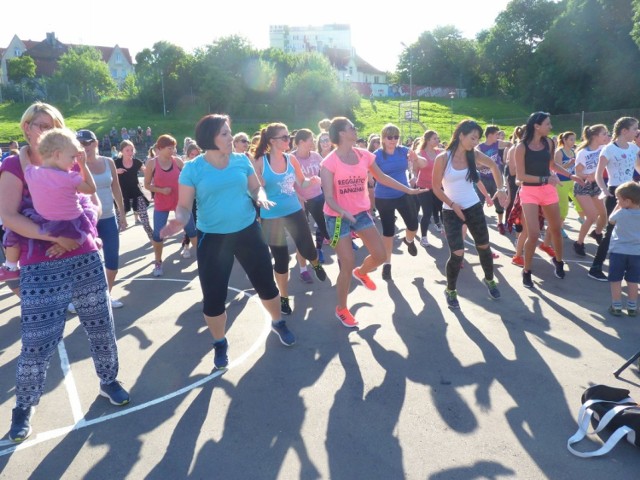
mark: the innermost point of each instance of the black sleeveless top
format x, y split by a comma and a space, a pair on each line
536, 163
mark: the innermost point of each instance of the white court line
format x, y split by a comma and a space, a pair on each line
82, 423
70, 383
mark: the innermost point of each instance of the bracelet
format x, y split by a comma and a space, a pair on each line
503, 189
544, 180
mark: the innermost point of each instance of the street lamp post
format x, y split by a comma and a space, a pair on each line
164, 104
410, 86
452, 95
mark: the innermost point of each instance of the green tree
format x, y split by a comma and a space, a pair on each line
441, 57
164, 75
506, 48
588, 59
21, 68
84, 73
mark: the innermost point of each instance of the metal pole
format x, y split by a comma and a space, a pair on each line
164, 104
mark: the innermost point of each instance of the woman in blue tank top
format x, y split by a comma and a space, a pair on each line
278, 173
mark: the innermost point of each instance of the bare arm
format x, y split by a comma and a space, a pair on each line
387, 181
599, 175
186, 194
117, 194
88, 184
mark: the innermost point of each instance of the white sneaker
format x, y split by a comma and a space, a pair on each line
71, 309
116, 303
438, 227
186, 252
157, 269
424, 242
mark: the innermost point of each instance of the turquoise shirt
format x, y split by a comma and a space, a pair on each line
279, 188
222, 196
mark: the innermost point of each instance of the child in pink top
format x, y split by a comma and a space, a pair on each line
54, 187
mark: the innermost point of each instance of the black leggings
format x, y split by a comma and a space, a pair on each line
406, 207
314, 207
216, 252
431, 205
603, 248
275, 235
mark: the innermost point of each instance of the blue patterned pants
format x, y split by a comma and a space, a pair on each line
46, 289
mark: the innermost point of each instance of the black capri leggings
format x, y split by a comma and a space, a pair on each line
405, 205
216, 252
297, 226
314, 207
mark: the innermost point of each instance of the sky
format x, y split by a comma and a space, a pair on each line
376, 32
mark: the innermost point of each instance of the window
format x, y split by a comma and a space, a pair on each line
114, 73
118, 58
375, 79
17, 52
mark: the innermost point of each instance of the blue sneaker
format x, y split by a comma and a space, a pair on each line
452, 299
320, 255
115, 393
220, 358
20, 424
494, 293
285, 335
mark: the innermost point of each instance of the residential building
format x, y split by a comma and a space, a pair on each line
46, 53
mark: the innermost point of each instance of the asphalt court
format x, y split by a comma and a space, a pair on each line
418, 391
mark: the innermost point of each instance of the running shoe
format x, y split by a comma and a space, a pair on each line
319, 272
346, 318
438, 227
597, 274
526, 279
7, 273
452, 299
116, 303
494, 255
579, 249
157, 269
494, 293
20, 424
502, 229
305, 276
411, 247
518, 261
616, 312
548, 249
363, 279
632, 312
424, 242
285, 308
558, 268
186, 252
286, 336
115, 393
563, 233
386, 271
220, 357
596, 236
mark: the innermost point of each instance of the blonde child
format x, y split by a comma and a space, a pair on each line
624, 249
54, 188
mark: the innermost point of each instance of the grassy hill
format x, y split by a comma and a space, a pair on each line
438, 114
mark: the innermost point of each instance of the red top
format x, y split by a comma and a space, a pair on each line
166, 178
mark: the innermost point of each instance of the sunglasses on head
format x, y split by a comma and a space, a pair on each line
393, 137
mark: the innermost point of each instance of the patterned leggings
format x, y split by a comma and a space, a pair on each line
141, 204
46, 289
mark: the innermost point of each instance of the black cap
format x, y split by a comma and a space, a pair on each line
86, 136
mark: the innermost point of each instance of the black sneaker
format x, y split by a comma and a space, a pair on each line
411, 247
386, 271
285, 335
319, 272
597, 274
284, 306
20, 424
452, 299
616, 312
596, 236
115, 393
579, 249
494, 293
526, 279
558, 267
220, 358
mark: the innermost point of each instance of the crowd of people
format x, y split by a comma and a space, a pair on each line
238, 197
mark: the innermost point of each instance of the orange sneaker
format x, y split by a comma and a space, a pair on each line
548, 249
346, 318
518, 261
363, 279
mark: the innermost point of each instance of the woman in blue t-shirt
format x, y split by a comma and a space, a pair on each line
393, 160
223, 184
